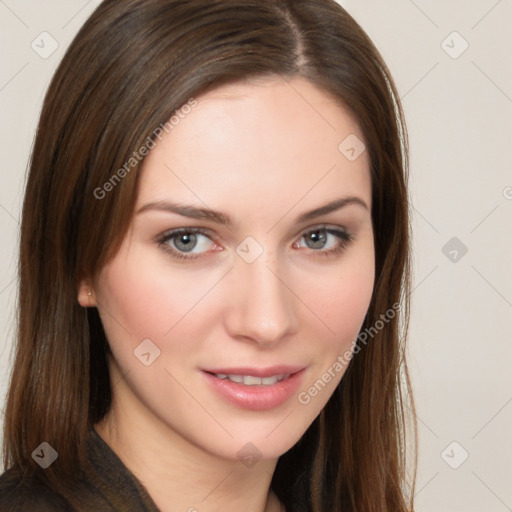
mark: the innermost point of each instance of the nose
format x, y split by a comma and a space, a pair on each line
262, 303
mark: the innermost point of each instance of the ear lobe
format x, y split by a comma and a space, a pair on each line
86, 296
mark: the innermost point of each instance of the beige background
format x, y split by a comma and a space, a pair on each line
459, 111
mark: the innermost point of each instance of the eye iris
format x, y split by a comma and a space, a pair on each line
318, 240
189, 243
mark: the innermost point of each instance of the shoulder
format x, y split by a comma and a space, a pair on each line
21, 495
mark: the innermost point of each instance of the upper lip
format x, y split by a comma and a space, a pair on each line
269, 371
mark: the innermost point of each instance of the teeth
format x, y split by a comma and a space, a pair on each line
250, 380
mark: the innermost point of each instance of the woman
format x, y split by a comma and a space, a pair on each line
214, 268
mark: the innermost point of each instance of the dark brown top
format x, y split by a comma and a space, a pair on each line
110, 488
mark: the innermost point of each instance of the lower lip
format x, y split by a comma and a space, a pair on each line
256, 398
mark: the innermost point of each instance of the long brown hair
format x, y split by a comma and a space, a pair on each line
131, 66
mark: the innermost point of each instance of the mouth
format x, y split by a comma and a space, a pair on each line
255, 388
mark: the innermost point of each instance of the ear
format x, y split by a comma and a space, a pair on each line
86, 295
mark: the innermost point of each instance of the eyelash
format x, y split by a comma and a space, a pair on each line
344, 237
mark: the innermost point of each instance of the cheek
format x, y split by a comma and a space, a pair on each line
342, 303
341, 298
143, 297
127, 302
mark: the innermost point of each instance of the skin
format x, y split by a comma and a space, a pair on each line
263, 152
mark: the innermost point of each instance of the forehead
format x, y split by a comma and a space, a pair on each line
257, 140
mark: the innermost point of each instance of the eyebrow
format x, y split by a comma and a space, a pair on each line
224, 219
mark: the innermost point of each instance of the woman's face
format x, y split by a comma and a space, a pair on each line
280, 290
